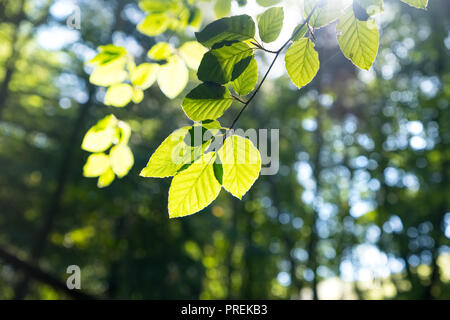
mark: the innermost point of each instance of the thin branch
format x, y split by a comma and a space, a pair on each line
41, 276
269, 51
238, 99
277, 54
311, 32
259, 46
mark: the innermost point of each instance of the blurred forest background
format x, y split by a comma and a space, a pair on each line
360, 208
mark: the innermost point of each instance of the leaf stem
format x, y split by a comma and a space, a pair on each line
238, 99
277, 54
258, 46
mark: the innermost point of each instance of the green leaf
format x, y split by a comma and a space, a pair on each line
218, 172
119, 95
156, 5
144, 75
195, 19
171, 155
246, 82
219, 63
268, 3
300, 34
302, 62
237, 28
178, 17
194, 188
109, 74
154, 24
192, 53
108, 54
208, 101
96, 165
138, 96
357, 39
270, 24
421, 4
100, 137
123, 132
106, 178
200, 136
324, 14
222, 8
121, 159
211, 124
241, 164
173, 77
160, 51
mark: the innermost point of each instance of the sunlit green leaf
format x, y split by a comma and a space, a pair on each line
302, 62
178, 17
119, 95
241, 164
173, 77
156, 5
106, 178
109, 74
195, 19
207, 101
218, 64
297, 35
247, 81
138, 96
357, 39
144, 75
121, 159
268, 3
108, 54
192, 53
160, 51
170, 156
236, 28
194, 188
421, 4
100, 137
270, 24
211, 125
123, 132
96, 165
154, 24
222, 8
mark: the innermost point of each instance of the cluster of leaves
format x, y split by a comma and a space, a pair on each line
228, 72
200, 172
163, 15
234, 164
126, 81
115, 69
113, 134
171, 69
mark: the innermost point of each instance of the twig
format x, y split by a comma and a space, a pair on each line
277, 53
42, 276
259, 46
311, 32
238, 99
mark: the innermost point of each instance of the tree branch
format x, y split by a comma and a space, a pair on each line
41, 276
238, 99
277, 54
